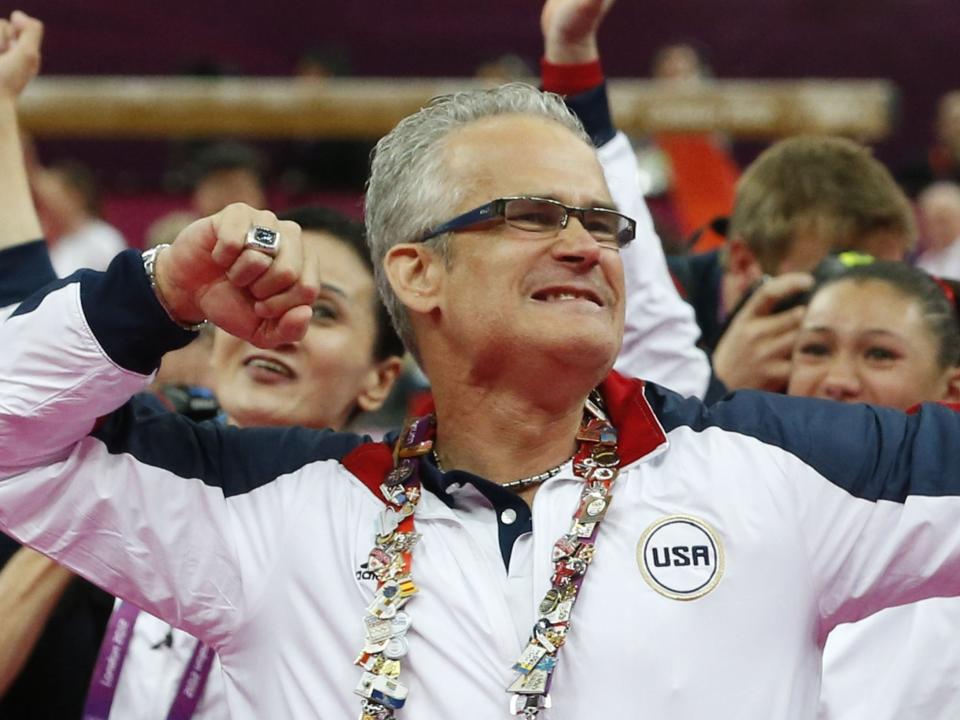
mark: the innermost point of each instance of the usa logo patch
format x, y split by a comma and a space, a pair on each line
681, 557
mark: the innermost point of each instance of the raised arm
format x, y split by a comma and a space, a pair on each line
24, 263
661, 332
77, 351
20, 38
30, 584
570, 29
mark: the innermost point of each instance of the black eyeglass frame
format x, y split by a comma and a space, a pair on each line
497, 209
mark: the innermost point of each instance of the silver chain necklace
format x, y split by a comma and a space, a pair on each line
522, 482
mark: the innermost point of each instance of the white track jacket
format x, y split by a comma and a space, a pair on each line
739, 535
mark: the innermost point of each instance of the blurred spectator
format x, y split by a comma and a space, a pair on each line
322, 62
331, 164
505, 68
69, 204
941, 161
182, 152
802, 199
219, 174
222, 173
692, 172
939, 209
681, 62
225, 173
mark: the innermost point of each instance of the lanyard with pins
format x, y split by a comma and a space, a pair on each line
391, 560
596, 461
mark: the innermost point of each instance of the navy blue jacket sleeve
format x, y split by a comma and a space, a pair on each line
24, 269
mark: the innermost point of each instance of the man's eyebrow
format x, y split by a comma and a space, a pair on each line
602, 204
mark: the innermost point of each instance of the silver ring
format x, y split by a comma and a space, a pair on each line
262, 240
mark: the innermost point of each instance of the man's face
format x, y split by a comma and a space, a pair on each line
317, 381
508, 292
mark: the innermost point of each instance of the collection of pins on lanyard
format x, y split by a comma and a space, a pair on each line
391, 561
597, 463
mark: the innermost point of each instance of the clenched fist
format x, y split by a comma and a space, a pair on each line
20, 39
209, 274
570, 29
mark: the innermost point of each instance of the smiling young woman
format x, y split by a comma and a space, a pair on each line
883, 333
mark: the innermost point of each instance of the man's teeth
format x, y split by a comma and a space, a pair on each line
270, 365
562, 296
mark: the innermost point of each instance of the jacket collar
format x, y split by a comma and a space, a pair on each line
640, 434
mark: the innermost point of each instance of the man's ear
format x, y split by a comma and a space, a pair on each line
743, 269
742, 261
416, 275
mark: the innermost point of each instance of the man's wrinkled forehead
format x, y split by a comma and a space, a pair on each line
524, 155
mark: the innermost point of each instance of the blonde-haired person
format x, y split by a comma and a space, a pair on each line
885, 334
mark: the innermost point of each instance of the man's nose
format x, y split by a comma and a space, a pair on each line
576, 245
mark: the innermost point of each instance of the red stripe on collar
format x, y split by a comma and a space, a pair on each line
638, 430
370, 463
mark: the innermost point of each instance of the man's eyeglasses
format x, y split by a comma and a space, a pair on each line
544, 216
